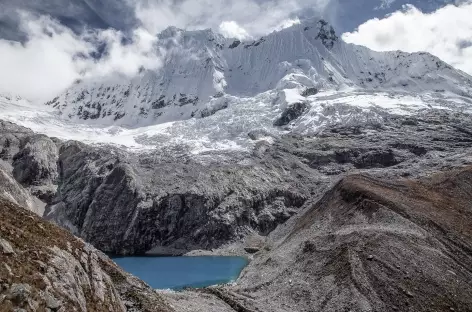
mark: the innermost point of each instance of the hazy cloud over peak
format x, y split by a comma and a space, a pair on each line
446, 33
231, 29
53, 57
255, 17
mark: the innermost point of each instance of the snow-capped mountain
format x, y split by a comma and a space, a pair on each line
213, 93
204, 72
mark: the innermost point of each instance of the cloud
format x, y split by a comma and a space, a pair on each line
54, 57
255, 17
446, 33
126, 58
231, 29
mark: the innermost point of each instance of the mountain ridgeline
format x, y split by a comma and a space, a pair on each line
344, 174
203, 72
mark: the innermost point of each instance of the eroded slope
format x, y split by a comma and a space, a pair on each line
45, 268
372, 245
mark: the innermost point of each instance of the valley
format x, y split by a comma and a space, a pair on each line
342, 174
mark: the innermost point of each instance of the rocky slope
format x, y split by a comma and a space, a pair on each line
45, 268
168, 201
374, 241
370, 241
11, 190
370, 244
127, 203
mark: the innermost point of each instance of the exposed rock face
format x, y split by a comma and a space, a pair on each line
371, 245
291, 113
10, 139
44, 268
127, 204
35, 163
326, 34
13, 191
310, 91
30, 159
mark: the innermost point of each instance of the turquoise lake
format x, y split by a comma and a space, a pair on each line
181, 272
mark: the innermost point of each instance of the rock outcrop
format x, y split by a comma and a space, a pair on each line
45, 268
13, 191
35, 163
293, 112
126, 204
30, 158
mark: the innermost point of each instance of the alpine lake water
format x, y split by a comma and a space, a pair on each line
177, 273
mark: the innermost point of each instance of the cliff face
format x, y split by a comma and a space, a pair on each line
125, 203
28, 169
45, 268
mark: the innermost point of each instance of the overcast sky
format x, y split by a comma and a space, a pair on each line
54, 56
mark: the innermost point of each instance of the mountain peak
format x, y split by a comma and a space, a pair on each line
203, 72
326, 33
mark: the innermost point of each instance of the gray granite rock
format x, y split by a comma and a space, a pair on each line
370, 244
35, 163
6, 247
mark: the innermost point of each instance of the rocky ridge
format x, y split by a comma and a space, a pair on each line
206, 201
371, 244
326, 239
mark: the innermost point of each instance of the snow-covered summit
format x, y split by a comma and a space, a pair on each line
203, 72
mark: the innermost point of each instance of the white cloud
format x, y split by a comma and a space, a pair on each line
54, 57
126, 59
288, 23
231, 29
446, 33
42, 65
256, 17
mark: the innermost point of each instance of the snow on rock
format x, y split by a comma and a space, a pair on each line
201, 67
212, 91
